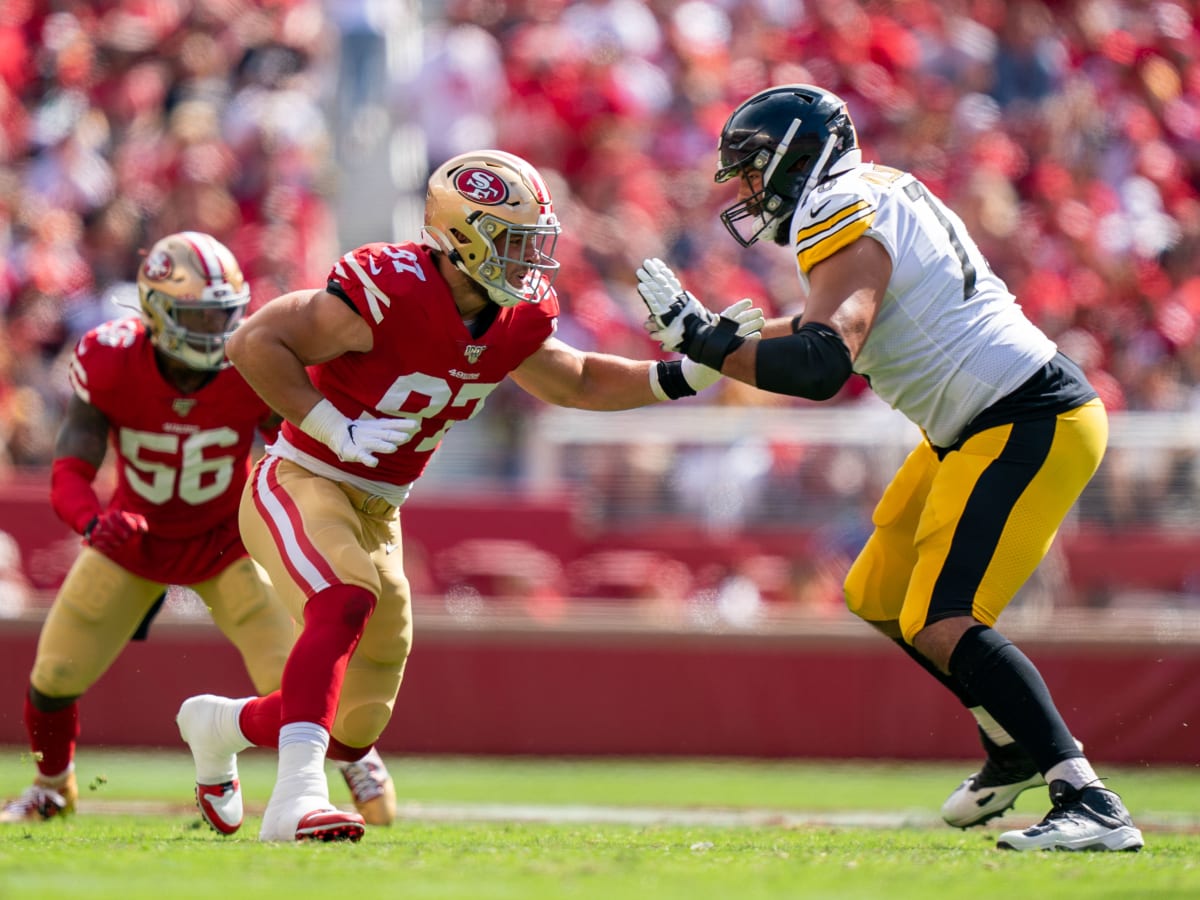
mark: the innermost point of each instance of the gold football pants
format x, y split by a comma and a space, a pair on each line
100, 605
959, 535
310, 533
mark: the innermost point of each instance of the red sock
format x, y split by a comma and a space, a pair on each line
259, 720
334, 620
52, 736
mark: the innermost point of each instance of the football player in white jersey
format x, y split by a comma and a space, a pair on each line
897, 291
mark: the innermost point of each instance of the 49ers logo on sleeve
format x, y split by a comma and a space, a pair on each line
481, 186
158, 266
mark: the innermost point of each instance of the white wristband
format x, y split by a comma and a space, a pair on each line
698, 376
323, 423
655, 387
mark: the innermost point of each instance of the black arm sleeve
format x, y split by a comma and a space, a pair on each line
813, 363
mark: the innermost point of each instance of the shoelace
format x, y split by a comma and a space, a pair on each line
362, 781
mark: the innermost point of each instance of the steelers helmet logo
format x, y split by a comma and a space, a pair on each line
481, 186
158, 266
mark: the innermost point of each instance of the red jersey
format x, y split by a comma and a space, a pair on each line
425, 364
182, 459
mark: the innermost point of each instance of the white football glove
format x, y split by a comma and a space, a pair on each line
698, 377
675, 313
357, 440
669, 304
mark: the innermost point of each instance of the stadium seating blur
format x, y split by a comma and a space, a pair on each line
1066, 135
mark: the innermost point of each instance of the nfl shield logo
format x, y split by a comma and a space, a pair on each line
182, 406
473, 352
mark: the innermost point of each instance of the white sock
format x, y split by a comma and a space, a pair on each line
229, 725
1077, 772
991, 727
56, 781
302, 747
216, 759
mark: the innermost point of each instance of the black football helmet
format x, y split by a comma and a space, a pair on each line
792, 134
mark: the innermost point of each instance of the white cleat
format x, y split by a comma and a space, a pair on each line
1091, 818
220, 805
209, 726
309, 818
299, 810
42, 801
992, 791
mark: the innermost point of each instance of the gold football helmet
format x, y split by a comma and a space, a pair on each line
491, 213
192, 295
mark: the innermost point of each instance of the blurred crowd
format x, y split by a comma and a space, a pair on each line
123, 121
1066, 134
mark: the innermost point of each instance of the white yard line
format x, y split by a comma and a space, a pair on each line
563, 814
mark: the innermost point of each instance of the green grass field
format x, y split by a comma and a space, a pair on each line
530, 828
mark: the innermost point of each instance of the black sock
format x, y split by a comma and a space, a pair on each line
948, 681
1003, 680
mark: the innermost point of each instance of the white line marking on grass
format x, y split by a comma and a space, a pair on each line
631, 815
565, 814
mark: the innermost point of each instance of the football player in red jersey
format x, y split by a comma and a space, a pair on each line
404, 341
182, 423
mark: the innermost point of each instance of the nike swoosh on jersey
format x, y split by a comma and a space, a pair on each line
816, 210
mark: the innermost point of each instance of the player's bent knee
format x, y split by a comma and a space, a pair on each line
362, 726
56, 681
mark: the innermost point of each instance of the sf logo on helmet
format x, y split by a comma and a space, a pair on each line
158, 265
481, 186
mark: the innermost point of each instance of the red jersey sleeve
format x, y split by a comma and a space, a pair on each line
425, 362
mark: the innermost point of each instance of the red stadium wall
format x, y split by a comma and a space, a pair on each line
436, 526
564, 690
578, 693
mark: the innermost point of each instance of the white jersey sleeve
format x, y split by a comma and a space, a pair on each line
949, 340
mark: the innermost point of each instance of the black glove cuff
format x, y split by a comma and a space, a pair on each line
671, 380
89, 528
712, 343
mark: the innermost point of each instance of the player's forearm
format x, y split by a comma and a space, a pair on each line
610, 383
742, 363
605, 383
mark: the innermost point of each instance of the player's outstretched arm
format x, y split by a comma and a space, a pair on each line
681, 323
565, 376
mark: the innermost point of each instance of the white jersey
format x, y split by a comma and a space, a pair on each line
949, 340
